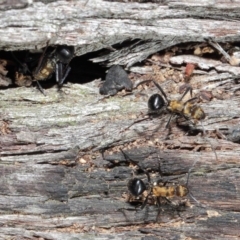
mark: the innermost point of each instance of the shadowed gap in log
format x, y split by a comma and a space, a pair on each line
23, 63
83, 69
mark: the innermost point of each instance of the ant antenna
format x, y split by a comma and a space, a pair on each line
24, 66
136, 163
157, 85
161, 90
41, 59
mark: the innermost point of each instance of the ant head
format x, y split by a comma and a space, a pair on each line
64, 53
156, 102
136, 187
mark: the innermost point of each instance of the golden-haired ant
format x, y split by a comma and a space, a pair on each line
56, 61
189, 110
158, 190
157, 104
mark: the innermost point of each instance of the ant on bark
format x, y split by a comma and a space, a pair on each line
189, 110
158, 190
158, 103
55, 61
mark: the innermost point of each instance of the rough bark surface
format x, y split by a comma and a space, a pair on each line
54, 183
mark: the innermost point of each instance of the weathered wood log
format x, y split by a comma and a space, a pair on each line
55, 183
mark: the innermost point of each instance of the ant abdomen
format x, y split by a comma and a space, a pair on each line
181, 191
197, 113
170, 191
163, 191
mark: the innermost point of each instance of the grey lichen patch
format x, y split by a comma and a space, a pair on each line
26, 137
76, 105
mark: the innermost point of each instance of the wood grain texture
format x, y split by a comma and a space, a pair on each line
98, 24
54, 183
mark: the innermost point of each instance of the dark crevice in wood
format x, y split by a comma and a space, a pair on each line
82, 69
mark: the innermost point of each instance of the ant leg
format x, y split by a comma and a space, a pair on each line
204, 136
186, 91
137, 121
145, 201
102, 151
58, 72
172, 206
60, 78
158, 201
169, 201
191, 99
40, 88
65, 75
159, 210
169, 120
175, 207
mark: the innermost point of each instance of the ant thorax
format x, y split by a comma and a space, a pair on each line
175, 106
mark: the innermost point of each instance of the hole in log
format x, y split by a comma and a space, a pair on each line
17, 68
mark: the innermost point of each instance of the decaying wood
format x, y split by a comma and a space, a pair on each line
55, 183
97, 24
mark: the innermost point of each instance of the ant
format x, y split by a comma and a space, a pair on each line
158, 190
187, 109
190, 111
56, 61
